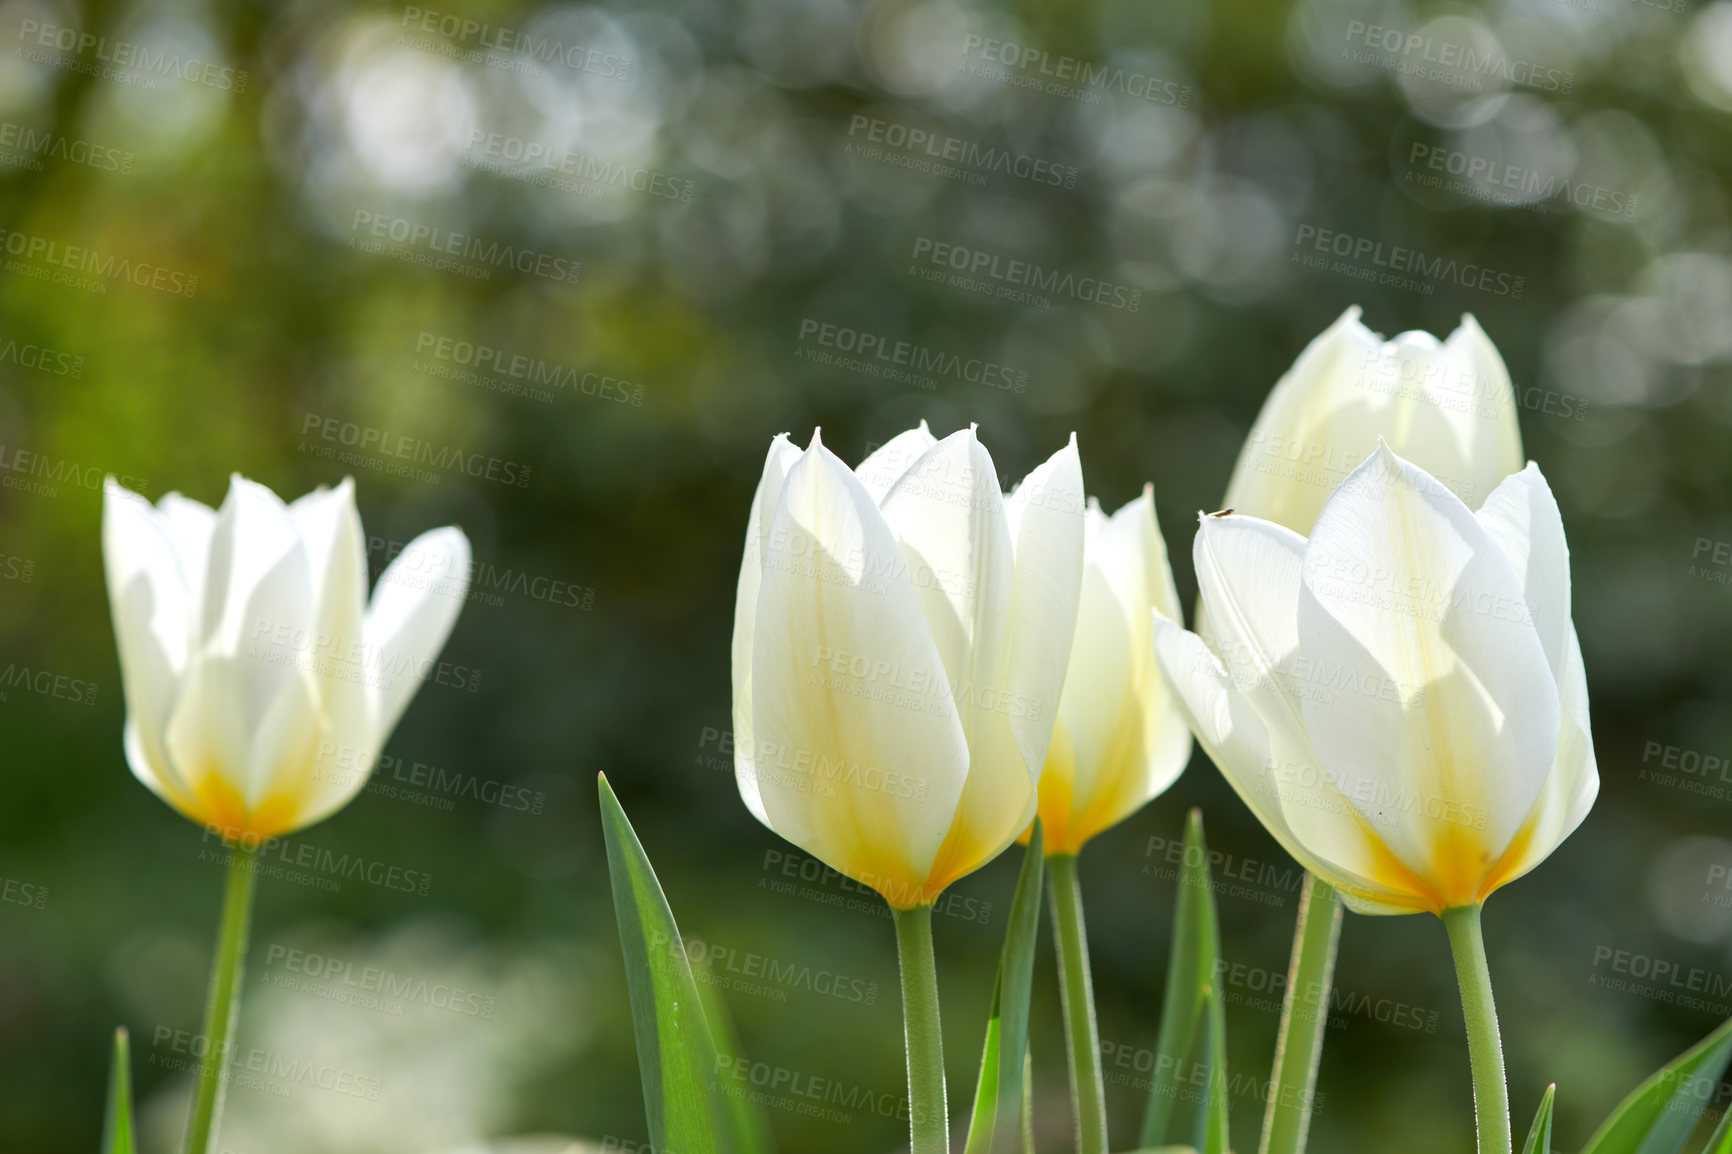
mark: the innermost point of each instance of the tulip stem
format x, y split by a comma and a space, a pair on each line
1304, 1016
928, 1113
1076, 988
222, 1009
1484, 1047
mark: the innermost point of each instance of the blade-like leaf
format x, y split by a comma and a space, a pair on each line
117, 1119
1721, 1142
1191, 1049
1540, 1134
998, 1098
751, 1129
677, 1059
1659, 1115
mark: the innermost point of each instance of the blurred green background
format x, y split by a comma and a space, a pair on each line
689, 193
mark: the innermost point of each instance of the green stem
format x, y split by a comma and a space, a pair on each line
1304, 1017
928, 1114
1484, 1047
1083, 1045
221, 1011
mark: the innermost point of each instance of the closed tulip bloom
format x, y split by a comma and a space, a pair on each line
1120, 740
900, 639
1447, 406
260, 682
1399, 697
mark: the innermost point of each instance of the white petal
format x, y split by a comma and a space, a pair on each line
330, 529
859, 755
1522, 517
1496, 439
408, 621
1046, 517
1443, 716
189, 525
777, 462
893, 458
152, 612
1574, 780
1234, 736
257, 582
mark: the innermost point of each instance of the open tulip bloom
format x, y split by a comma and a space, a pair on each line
900, 639
260, 682
1400, 699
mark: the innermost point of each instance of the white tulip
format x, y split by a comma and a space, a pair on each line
1446, 406
1399, 697
900, 639
1120, 740
260, 684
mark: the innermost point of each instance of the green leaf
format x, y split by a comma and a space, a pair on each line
677, 1057
1540, 1135
117, 1119
999, 1099
1659, 1115
1191, 1050
751, 1129
1721, 1142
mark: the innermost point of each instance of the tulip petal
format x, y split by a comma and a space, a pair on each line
860, 756
779, 460
257, 582
1443, 717
1495, 433
152, 612
1045, 516
880, 471
330, 530
408, 621
1522, 517
1239, 743
1572, 784
1250, 572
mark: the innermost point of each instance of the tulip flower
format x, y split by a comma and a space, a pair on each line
900, 640
260, 684
1120, 741
1447, 406
1400, 699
